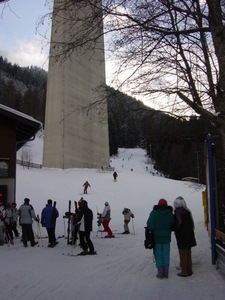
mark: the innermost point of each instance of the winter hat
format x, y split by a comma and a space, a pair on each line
106, 203
162, 202
26, 200
179, 202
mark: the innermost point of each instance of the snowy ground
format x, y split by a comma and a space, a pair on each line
123, 268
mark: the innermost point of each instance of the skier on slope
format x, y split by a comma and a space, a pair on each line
106, 217
115, 175
86, 185
127, 216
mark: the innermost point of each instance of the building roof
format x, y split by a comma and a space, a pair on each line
26, 126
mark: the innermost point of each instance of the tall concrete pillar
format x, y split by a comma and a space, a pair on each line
74, 138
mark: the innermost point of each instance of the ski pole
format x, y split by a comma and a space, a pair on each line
39, 233
64, 226
133, 226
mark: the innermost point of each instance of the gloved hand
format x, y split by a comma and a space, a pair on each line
37, 220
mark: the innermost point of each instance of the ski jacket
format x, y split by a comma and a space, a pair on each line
161, 221
115, 174
127, 214
2, 215
106, 215
48, 216
9, 216
15, 214
86, 184
184, 228
85, 218
26, 214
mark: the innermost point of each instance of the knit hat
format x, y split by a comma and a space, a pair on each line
162, 202
179, 202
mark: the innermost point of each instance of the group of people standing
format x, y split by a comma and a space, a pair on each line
8, 222
162, 221
10, 215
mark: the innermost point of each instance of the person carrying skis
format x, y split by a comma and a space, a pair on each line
2, 218
26, 216
127, 216
106, 217
85, 220
115, 175
49, 215
86, 185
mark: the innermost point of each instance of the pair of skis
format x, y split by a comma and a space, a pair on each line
74, 234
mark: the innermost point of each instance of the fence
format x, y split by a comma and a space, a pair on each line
28, 164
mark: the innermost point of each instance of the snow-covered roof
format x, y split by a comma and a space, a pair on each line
26, 126
17, 113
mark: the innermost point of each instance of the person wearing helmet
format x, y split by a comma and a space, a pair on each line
106, 217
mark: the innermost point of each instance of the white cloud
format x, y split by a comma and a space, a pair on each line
26, 53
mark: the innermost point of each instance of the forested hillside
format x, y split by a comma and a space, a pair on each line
176, 145
23, 88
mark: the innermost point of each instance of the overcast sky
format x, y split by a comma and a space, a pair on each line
19, 42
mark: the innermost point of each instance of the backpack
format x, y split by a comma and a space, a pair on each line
149, 241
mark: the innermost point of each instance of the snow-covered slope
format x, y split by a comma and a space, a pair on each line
123, 268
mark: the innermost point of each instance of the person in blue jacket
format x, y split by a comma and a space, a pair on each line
161, 221
49, 215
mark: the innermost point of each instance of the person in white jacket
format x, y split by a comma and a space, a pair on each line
127, 216
106, 217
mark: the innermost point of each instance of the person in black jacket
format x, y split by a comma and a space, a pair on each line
85, 220
184, 232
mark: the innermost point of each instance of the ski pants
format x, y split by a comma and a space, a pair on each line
27, 234
10, 232
51, 235
126, 227
14, 229
185, 261
105, 224
1, 236
162, 255
85, 240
